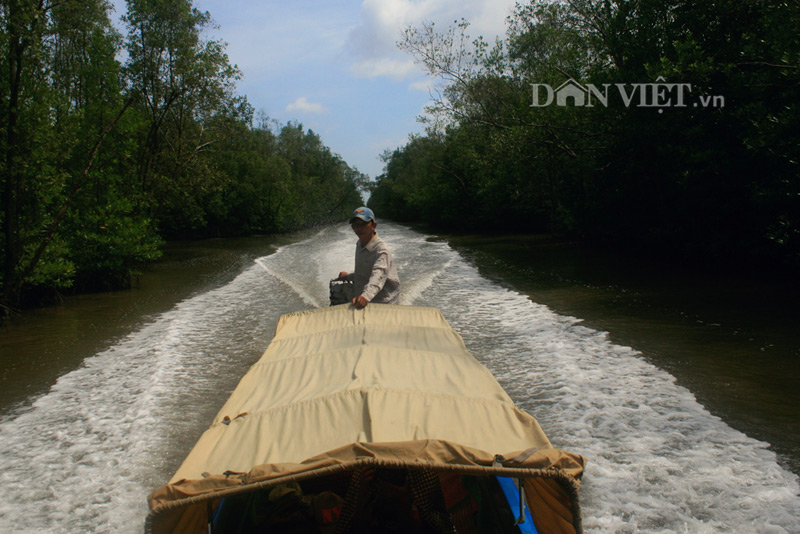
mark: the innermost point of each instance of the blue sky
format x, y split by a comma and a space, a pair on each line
333, 65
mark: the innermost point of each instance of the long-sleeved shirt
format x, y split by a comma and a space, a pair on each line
375, 274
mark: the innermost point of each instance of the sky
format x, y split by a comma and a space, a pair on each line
334, 67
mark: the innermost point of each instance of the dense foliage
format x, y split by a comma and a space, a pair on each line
716, 177
101, 160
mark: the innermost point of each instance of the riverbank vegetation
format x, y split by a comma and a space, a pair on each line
677, 132
112, 143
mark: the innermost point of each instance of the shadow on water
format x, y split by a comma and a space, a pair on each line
43, 344
731, 340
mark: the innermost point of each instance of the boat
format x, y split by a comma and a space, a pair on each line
370, 420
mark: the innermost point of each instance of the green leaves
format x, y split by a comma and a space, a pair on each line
712, 179
99, 160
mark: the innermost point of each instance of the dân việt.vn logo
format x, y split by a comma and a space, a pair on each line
659, 94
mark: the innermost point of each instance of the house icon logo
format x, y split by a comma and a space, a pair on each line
569, 93
658, 95
571, 90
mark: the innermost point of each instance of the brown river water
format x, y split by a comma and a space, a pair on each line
681, 389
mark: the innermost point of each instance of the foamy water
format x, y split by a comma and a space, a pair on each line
83, 457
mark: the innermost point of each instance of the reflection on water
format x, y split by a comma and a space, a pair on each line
109, 392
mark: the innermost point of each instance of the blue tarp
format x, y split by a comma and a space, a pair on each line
512, 496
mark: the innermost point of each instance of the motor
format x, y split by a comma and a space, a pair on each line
341, 292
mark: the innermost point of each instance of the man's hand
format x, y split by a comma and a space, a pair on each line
360, 301
342, 275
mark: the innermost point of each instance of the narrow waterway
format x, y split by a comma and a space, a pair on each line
682, 401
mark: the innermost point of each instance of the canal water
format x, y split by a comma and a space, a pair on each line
681, 391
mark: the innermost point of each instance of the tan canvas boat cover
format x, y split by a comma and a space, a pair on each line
385, 384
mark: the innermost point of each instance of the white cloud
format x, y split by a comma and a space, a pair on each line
347, 48
422, 85
302, 104
265, 38
489, 19
373, 42
393, 68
